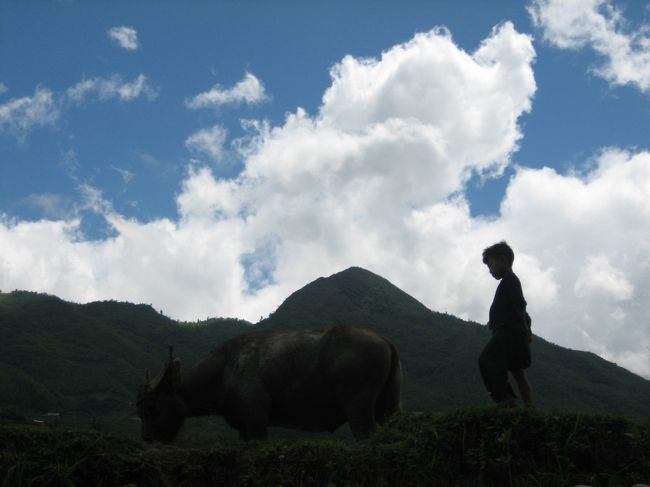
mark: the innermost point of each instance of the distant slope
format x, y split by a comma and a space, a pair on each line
439, 352
89, 359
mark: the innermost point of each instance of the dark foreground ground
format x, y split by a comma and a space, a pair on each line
464, 448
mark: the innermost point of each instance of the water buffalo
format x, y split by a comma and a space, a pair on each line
313, 380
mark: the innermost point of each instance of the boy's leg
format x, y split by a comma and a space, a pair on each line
523, 385
493, 363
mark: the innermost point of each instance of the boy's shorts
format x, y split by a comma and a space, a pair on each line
517, 346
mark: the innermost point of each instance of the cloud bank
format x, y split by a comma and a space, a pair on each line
376, 178
599, 25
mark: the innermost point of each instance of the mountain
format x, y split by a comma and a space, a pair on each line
88, 360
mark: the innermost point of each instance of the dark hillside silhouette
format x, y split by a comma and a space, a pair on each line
88, 360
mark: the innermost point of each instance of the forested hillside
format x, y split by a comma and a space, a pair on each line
86, 361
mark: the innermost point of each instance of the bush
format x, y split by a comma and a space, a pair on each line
464, 448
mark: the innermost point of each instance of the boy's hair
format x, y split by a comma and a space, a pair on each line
501, 249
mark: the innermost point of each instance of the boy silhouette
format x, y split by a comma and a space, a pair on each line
509, 347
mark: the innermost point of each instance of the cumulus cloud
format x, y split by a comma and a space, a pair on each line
600, 278
19, 116
126, 37
109, 88
376, 178
597, 24
249, 90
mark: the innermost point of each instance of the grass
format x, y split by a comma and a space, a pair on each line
481, 447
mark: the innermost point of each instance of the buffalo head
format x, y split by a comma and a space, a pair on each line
161, 409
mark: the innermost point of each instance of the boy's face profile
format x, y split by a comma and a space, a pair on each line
497, 265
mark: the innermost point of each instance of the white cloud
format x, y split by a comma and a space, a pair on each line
376, 179
93, 200
54, 206
248, 90
208, 141
126, 37
126, 175
598, 24
19, 116
109, 88
599, 277
3, 89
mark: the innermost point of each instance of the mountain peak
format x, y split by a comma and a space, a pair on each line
354, 292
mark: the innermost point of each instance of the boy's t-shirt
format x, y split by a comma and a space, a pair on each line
508, 305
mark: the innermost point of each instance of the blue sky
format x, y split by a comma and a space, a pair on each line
106, 158
290, 46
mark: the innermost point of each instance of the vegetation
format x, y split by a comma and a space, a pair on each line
482, 447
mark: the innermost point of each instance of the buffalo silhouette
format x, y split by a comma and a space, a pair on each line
313, 380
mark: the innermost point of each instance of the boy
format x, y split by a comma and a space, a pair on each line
509, 347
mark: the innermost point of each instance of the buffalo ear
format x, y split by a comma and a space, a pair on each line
176, 367
171, 377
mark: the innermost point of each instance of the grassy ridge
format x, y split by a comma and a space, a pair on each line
464, 448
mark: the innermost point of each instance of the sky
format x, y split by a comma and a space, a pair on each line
211, 158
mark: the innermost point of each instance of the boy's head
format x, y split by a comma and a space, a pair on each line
499, 258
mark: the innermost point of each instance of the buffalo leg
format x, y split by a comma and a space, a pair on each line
361, 416
256, 424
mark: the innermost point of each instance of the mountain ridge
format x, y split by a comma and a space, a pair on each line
89, 359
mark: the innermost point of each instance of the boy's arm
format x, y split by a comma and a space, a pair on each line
518, 303
522, 317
